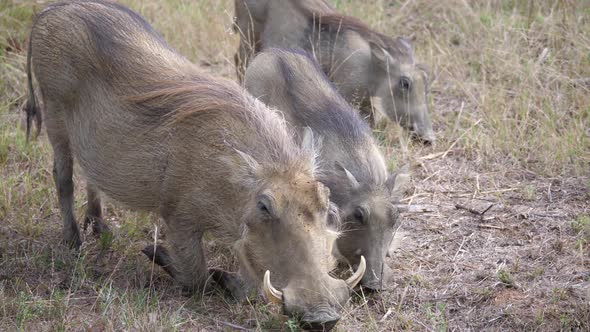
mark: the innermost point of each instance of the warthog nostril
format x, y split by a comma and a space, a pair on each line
372, 286
322, 323
319, 326
426, 139
427, 142
319, 318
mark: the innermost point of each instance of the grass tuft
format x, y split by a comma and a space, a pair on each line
505, 278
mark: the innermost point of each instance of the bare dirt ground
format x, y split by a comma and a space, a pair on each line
517, 266
498, 233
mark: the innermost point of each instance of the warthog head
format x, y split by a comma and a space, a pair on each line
369, 221
401, 87
288, 238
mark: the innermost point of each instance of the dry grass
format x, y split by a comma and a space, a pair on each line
511, 99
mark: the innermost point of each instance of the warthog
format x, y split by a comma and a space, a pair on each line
351, 164
152, 132
360, 61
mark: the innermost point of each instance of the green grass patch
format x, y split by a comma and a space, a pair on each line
505, 278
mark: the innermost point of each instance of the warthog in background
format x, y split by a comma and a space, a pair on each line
361, 62
351, 164
152, 132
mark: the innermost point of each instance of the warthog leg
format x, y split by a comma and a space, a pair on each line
94, 212
228, 281
186, 254
63, 164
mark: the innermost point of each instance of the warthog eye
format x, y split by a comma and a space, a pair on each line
405, 84
262, 207
265, 205
360, 215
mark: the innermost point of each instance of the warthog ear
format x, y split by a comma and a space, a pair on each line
307, 140
351, 179
388, 55
404, 46
398, 182
382, 57
310, 144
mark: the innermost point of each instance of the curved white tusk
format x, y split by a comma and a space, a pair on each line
358, 275
271, 293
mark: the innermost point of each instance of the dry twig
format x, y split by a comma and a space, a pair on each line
477, 213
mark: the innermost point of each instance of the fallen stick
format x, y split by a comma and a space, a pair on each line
385, 316
416, 208
491, 226
477, 213
463, 207
432, 156
486, 210
233, 326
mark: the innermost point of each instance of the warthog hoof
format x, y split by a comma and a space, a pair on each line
72, 237
231, 283
160, 256
98, 225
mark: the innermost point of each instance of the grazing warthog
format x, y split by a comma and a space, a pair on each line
351, 164
152, 132
361, 62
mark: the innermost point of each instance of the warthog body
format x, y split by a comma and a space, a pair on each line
152, 132
351, 164
361, 62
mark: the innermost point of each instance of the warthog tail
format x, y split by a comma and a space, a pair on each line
31, 108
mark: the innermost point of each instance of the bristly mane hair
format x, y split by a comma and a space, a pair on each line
176, 100
334, 22
171, 103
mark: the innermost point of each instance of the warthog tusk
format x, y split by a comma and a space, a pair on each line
271, 293
358, 275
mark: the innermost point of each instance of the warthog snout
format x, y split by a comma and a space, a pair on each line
316, 303
317, 308
402, 94
376, 277
421, 126
422, 135
320, 318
